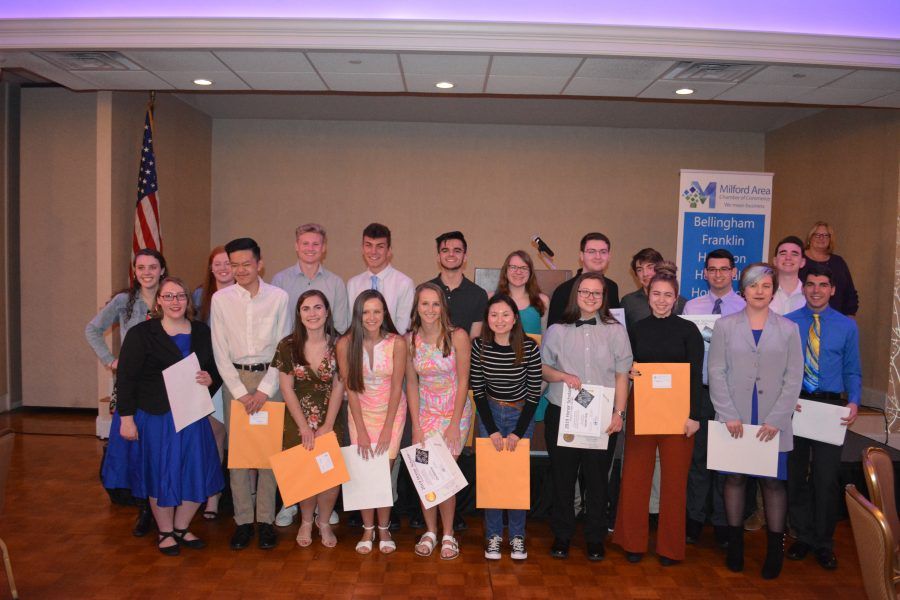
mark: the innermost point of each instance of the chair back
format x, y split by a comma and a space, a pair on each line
880, 480
874, 545
6, 449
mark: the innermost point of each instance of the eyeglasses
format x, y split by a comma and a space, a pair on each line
518, 268
591, 294
181, 297
595, 252
722, 270
821, 236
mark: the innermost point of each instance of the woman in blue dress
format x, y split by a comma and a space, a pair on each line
755, 373
175, 470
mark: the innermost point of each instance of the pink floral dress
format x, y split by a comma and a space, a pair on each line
312, 387
374, 401
438, 383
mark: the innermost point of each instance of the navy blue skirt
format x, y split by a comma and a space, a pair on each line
171, 467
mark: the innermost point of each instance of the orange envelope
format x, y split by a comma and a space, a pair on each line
662, 398
252, 439
302, 474
502, 479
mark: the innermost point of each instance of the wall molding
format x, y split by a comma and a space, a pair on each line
448, 36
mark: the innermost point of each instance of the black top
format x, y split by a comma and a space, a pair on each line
467, 303
671, 340
561, 297
146, 352
846, 298
637, 307
493, 373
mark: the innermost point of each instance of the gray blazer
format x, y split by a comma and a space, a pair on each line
736, 363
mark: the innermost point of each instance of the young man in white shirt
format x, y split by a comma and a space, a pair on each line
309, 274
719, 273
248, 320
398, 289
788, 261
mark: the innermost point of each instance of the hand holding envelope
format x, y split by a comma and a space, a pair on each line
503, 479
303, 473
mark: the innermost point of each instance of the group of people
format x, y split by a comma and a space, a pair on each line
399, 352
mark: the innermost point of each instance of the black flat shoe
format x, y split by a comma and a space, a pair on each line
667, 562
798, 550
595, 551
144, 522
194, 544
459, 524
560, 548
172, 550
692, 531
242, 536
634, 557
826, 559
268, 539
417, 522
721, 534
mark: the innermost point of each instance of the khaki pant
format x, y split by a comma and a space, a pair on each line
241, 490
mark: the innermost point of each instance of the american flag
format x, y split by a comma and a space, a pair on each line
146, 215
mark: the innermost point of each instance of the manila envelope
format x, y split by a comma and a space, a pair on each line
662, 398
502, 479
302, 474
252, 439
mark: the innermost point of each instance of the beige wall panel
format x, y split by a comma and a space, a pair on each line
840, 166
58, 251
498, 184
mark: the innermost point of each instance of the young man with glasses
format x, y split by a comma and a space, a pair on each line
719, 273
594, 254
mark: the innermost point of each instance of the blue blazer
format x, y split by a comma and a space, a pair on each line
775, 366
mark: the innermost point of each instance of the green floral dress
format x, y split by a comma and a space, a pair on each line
312, 387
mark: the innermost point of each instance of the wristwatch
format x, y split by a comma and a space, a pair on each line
621, 413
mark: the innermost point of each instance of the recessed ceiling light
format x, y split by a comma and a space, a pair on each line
202, 82
684, 92
444, 85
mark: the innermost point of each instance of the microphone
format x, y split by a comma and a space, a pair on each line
541, 245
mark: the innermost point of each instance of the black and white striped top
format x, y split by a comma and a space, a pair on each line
493, 374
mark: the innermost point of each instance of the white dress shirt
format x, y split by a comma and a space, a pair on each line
398, 291
783, 303
246, 330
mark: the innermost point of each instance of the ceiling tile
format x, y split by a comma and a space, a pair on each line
364, 82
354, 62
525, 85
463, 84
590, 86
799, 76
703, 90
124, 80
175, 60
222, 80
624, 68
541, 66
748, 92
891, 101
870, 79
267, 61
832, 95
445, 64
306, 82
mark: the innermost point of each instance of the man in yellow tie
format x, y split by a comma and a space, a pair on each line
831, 369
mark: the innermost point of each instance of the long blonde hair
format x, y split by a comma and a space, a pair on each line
445, 337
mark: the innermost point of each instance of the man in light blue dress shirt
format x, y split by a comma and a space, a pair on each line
719, 273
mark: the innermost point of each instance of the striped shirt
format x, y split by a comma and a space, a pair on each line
493, 374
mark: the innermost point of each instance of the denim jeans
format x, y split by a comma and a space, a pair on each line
506, 418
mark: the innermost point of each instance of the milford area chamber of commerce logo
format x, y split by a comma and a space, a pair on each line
697, 195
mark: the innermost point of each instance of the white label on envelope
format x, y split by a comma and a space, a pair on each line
662, 381
260, 418
325, 463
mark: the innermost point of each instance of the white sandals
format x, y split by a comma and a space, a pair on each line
448, 542
385, 546
428, 542
365, 546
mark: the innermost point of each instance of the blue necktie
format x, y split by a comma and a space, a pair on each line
717, 307
375, 282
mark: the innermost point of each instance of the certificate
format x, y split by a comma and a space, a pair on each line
502, 479
705, 323
618, 314
254, 438
434, 473
585, 416
190, 401
662, 398
820, 421
303, 473
370, 480
747, 454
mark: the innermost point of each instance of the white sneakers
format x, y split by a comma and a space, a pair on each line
286, 515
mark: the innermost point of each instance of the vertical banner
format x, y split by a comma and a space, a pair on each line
721, 209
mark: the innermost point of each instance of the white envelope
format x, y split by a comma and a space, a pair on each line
746, 454
370, 480
821, 421
618, 314
189, 400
